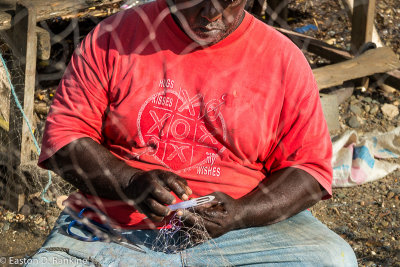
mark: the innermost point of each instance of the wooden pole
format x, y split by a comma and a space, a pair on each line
362, 26
24, 38
362, 23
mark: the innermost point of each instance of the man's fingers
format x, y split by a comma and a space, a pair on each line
178, 185
180, 189
146, 211
162, 195
157, 208
189, 218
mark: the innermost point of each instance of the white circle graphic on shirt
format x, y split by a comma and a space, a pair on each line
181, 131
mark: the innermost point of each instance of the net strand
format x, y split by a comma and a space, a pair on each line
175, 237
17, 102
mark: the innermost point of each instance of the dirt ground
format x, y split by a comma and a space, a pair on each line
366, 216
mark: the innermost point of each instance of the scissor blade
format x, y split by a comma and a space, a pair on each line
108, 234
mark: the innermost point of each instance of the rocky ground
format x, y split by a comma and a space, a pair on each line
367, 216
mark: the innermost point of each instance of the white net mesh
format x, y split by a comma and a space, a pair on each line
174, 237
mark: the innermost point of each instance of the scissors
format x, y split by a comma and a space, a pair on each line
99, 232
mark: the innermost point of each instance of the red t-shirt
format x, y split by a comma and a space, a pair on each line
224, 117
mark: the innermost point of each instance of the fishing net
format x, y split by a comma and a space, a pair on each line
26, 178
175, 237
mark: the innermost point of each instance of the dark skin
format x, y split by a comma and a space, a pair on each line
91, 168
284, 194
94, 170
207, 21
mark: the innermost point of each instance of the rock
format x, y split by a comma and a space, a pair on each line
341, 195
390, 110
353, 122
51, 221
367, 108
382, 187
331, 41
396, 190
19, 217
368, 99
6, 226
390, 195
25, 210
9, 216
38, 220
43, 223
355, 109
374, 110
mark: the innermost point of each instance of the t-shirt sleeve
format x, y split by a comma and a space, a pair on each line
80, 101
302, 137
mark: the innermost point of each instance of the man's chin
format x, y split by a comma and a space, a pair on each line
207, 38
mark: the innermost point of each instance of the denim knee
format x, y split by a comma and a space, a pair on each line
337, 252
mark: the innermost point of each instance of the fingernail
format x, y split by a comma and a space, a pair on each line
179, 213
185, 197
173, 201
189, 190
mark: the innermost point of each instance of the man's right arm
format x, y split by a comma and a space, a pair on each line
94, 170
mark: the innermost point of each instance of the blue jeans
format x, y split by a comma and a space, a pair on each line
301, 240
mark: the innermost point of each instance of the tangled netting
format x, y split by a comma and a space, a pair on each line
174, 237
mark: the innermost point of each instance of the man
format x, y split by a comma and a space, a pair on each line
179, 99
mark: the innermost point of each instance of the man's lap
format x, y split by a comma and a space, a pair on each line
298, 241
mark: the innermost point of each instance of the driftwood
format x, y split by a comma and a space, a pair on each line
48, 9
7, 5
378, 60
44, 43
5, 92
316, 46
391, 78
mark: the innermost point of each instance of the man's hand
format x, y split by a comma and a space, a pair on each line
218, 217
151, 192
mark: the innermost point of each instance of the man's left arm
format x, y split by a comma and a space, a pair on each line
284, 194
